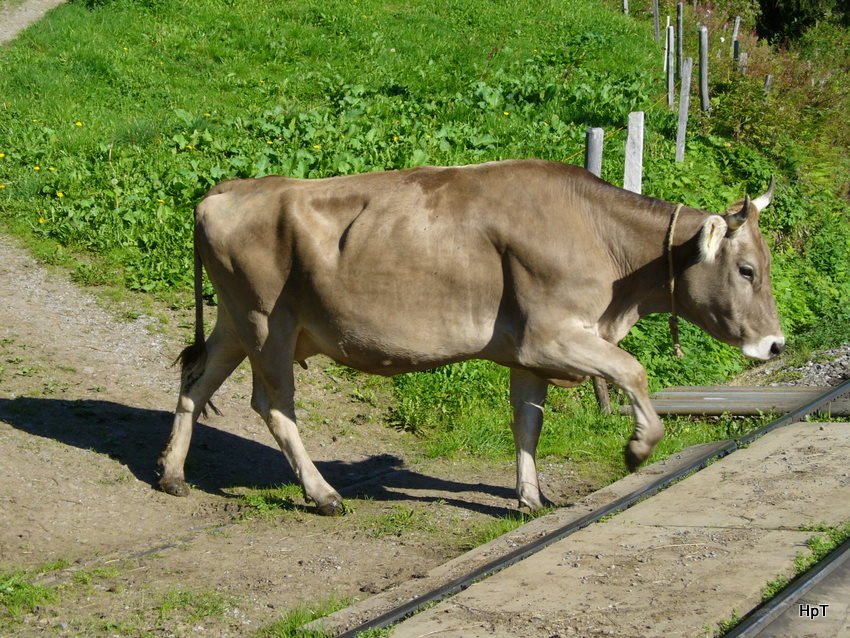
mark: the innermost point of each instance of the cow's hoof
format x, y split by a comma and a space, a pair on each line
533, 506
636, 453
333, 507
175, 487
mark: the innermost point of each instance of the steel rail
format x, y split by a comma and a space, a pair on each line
457, 585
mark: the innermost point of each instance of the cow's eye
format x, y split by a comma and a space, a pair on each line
747, 272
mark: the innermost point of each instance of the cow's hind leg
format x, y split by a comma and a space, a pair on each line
528, 394
204, 370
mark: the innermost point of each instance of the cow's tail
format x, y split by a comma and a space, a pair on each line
193, 358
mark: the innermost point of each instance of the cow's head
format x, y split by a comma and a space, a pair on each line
726, 289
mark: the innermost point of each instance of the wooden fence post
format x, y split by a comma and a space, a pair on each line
656, 24
680, 18
593, 163
705, 104
633, 175
768, 83
671, 67
684, 101
735, 30
593, 151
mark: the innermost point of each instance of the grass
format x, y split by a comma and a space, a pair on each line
290, 625
267, 503
192, 605
399, 520
725, 626
20, 594
116, 170
490, 530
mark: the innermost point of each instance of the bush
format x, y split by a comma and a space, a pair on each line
782, 20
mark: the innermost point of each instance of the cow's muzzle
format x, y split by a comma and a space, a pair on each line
765, 348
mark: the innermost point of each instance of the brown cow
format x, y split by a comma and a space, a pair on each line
538, 266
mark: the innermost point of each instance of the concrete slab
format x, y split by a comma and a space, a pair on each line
374, 606
765, 485
674, 565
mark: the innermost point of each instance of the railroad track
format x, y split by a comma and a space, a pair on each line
751, 625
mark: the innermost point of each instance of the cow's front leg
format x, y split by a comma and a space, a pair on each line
528, 394
275, 403
576, 351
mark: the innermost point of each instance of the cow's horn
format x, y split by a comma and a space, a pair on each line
763, 200
735, 220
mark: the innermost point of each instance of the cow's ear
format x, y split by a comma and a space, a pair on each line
711, 237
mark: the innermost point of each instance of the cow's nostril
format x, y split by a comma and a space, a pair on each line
776, 348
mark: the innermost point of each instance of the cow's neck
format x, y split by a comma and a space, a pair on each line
636, 238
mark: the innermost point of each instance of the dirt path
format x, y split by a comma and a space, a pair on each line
17, 16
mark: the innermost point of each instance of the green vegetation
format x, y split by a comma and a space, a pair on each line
784, 19
290, 626
115, 117
398, 521
498, 527
192, 606
270, 502
20, 594
727, 625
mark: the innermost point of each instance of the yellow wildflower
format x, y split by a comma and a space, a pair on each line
269, 142
51, 168
78, 123
60, 194
395, 138
507, 113
41, 220
2, 155
317, 146
36, 168
2, 186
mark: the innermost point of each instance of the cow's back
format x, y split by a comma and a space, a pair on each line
399, 270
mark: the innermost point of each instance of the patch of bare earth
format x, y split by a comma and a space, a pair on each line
85, 402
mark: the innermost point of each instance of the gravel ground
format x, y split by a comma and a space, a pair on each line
831, 368
827, 368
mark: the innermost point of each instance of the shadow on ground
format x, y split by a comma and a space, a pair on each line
219, 461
